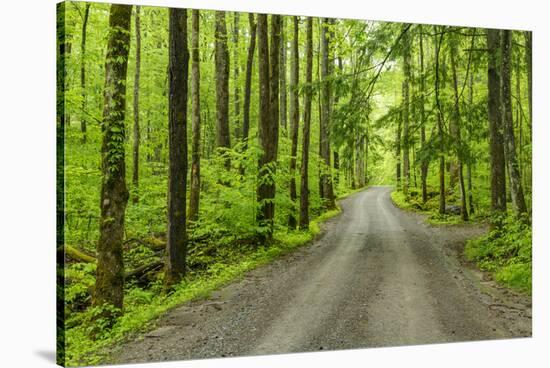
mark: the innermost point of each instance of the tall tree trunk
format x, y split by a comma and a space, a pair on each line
406, 101
516, 188
398, 151
360, 160
236, 72
178, 65
83, 71
326, 100
294, 119
304, 184
195, 182
456, 122
529, 62
222, 86
469, 170
496, 145
266, 187
109, 287
438, 43
424, 163
248, 83
282, 74
135, 153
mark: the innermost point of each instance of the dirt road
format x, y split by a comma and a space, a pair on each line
377, 277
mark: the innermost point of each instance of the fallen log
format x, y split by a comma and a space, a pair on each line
138, 272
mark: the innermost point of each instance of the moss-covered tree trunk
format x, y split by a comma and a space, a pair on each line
516, 187
406, 107
83, 127
195, 181
294, 119
424, 162
325, 112
236, 72
248, 83
496, 140
109, 287
222, 86
178, 60
456, 120
304, 178
282, 75
441, 146
269, 120
135, 162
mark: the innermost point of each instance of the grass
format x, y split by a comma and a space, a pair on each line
146, 307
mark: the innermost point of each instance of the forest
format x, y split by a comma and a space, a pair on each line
194, 145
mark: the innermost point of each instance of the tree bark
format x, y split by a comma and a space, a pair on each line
529, 62
266, 163
294, 119
83, 71
236, 72
304, 181
248, 83
178, 64
195, 182
109, 287
440, 126
496, 145
326, 100
222, 87
456, 122
135, 153
516, 188
424, 163
406, 101
282, 74
398, 152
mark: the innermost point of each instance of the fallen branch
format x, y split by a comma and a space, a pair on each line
80, 256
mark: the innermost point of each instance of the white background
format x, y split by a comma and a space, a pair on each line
27, 180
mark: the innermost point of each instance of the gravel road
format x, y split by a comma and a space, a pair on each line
377, 276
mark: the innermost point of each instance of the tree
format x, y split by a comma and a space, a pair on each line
456, 123
529, 62
236, 71
406, 103
248, 82
195, 182
508, 126
266, 186
176, 245
424, 161
304, 183
496, 145
135, 171
222, 86
282, 74
294, 118
83, 69
441, 146
109, 286
326, 101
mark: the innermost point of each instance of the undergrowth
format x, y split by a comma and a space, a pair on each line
88, 342
506, 252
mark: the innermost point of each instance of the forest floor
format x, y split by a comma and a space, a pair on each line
377, 276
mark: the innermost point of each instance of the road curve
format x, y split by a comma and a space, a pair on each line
377, 277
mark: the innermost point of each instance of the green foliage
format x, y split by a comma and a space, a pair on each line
506, 252
89, 335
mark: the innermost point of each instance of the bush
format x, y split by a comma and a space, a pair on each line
506, 252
